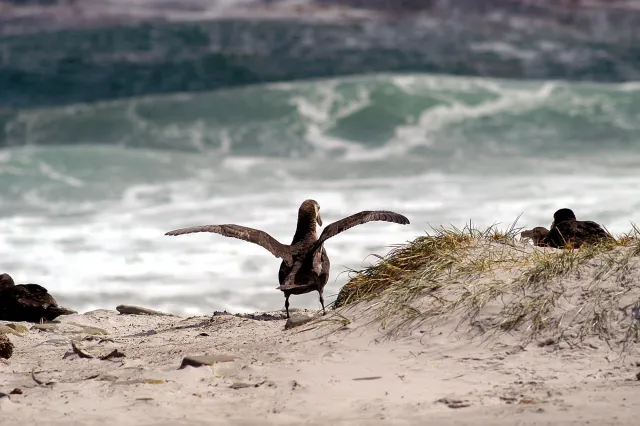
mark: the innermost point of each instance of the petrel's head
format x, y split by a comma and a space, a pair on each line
563, 215
6, 281
536, 234
310, 208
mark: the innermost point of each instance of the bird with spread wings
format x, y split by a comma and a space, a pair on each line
305, 264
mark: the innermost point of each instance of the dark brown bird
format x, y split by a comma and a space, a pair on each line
305, 264
536, 235
27, 302
567, 230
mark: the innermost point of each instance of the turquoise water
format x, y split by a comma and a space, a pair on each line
88, 190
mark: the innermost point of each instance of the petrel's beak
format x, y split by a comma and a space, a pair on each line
319, 219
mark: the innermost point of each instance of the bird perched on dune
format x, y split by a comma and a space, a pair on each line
305, 264
27, 302
567, 231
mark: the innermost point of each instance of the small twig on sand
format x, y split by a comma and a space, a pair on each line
80, 352
113, 354
35, 379
454, 377
40, 382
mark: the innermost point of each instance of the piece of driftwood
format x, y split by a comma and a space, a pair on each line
137, 310
200, 360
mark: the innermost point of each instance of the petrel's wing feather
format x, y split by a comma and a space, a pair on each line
251, 235
348, 222
358, 219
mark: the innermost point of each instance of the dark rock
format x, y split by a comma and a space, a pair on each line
6, 347
297, 321
137, 310
16, 391
200, 360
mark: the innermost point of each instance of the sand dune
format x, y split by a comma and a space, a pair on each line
342, 368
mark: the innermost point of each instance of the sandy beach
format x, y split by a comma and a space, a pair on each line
343, 368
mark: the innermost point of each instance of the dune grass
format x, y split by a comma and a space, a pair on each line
495, 283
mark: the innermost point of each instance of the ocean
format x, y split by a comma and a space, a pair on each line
113, 134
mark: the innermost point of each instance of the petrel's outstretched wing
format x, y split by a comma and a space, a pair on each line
357, 219
251, 235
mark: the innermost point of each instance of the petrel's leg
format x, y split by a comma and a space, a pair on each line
286, 303
324, 312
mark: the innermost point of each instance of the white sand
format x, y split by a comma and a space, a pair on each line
308, 375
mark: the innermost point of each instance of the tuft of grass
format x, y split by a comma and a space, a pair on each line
425, 256
493, 282
435, 252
